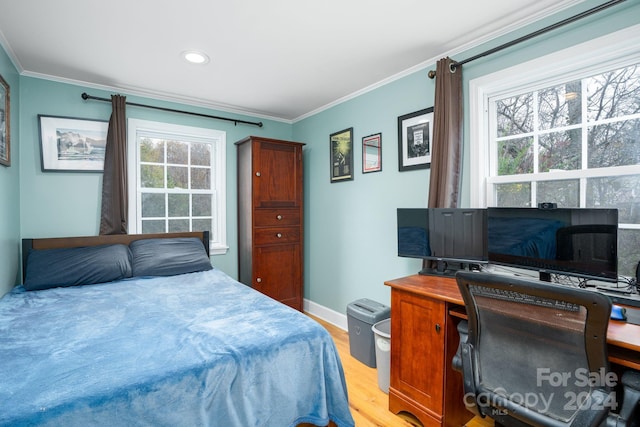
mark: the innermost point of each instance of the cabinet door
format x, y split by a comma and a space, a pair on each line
277, 177
417, 349
278, 273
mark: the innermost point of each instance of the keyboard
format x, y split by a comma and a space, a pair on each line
507, 295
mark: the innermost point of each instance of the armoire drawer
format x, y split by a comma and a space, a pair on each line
276, 217
273, 235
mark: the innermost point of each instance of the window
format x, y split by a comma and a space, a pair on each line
177, 180
565, 129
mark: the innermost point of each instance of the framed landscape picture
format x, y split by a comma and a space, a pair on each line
415, 136
69, 144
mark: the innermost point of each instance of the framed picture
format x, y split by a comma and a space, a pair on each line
69, 144
415, 136
372, 153
341, 147
5, 122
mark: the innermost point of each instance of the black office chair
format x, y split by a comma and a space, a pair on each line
535, 354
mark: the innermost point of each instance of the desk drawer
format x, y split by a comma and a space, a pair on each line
276, 217
272, 235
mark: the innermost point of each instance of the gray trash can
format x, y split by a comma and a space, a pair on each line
361, 315
382, 332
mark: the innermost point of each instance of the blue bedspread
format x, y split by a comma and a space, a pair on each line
188, 350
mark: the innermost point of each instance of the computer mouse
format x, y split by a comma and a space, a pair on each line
618, 313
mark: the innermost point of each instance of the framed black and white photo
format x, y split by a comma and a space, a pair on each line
372, 153
5, 124
69, 144
341, 147
415, 136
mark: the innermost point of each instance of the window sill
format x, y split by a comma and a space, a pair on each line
217, 250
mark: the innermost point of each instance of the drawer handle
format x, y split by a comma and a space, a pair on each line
437, 327
279, 235
257, 173
259, 280
279, 217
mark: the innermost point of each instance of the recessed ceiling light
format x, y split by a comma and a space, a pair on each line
195, 57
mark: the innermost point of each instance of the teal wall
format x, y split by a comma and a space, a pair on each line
10, 185
350, 246
351, 226
350, 241
55, 204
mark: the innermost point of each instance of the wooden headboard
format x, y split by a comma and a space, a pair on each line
111, 239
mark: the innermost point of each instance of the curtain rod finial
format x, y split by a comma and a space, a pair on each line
432, 74
85, 96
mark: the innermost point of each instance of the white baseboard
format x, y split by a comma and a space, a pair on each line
326, 314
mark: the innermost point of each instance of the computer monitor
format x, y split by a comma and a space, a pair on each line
580, 242
452, 237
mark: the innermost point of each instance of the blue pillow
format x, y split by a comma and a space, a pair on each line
50, 268
168, 257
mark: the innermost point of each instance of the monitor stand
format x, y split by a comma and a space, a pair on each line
441, 269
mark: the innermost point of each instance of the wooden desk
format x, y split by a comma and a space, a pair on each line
425, 311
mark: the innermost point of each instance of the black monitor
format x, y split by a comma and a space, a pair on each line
578, 242
454, 238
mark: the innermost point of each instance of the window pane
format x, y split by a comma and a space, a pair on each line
177, 152
515, 156
560, 105
178, 205
565, 193
200, 178
153, 226
615, 144
613, 94
628, 251
203, 225
152, 205
201, 205
515, 115
513, 195
175, 180
151, 150
151, 176
560, 150
177, 177
616, 192
178, 225
201, 154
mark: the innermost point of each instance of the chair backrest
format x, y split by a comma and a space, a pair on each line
537, 349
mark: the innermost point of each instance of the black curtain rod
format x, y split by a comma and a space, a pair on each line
86, 96
569, 20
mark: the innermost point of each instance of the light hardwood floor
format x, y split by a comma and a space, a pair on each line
368, 403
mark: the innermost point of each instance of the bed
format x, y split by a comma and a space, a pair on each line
168, 341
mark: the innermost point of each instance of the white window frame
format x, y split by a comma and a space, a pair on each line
615, 50
217, 138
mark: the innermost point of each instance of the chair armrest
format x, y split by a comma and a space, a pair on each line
630, 409
463, 332
462, 362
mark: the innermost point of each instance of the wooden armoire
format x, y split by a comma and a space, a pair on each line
270, 218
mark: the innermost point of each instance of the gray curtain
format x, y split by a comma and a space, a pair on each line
113, 215
446, 153
446, 148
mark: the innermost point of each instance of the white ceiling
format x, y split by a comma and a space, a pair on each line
281, 59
